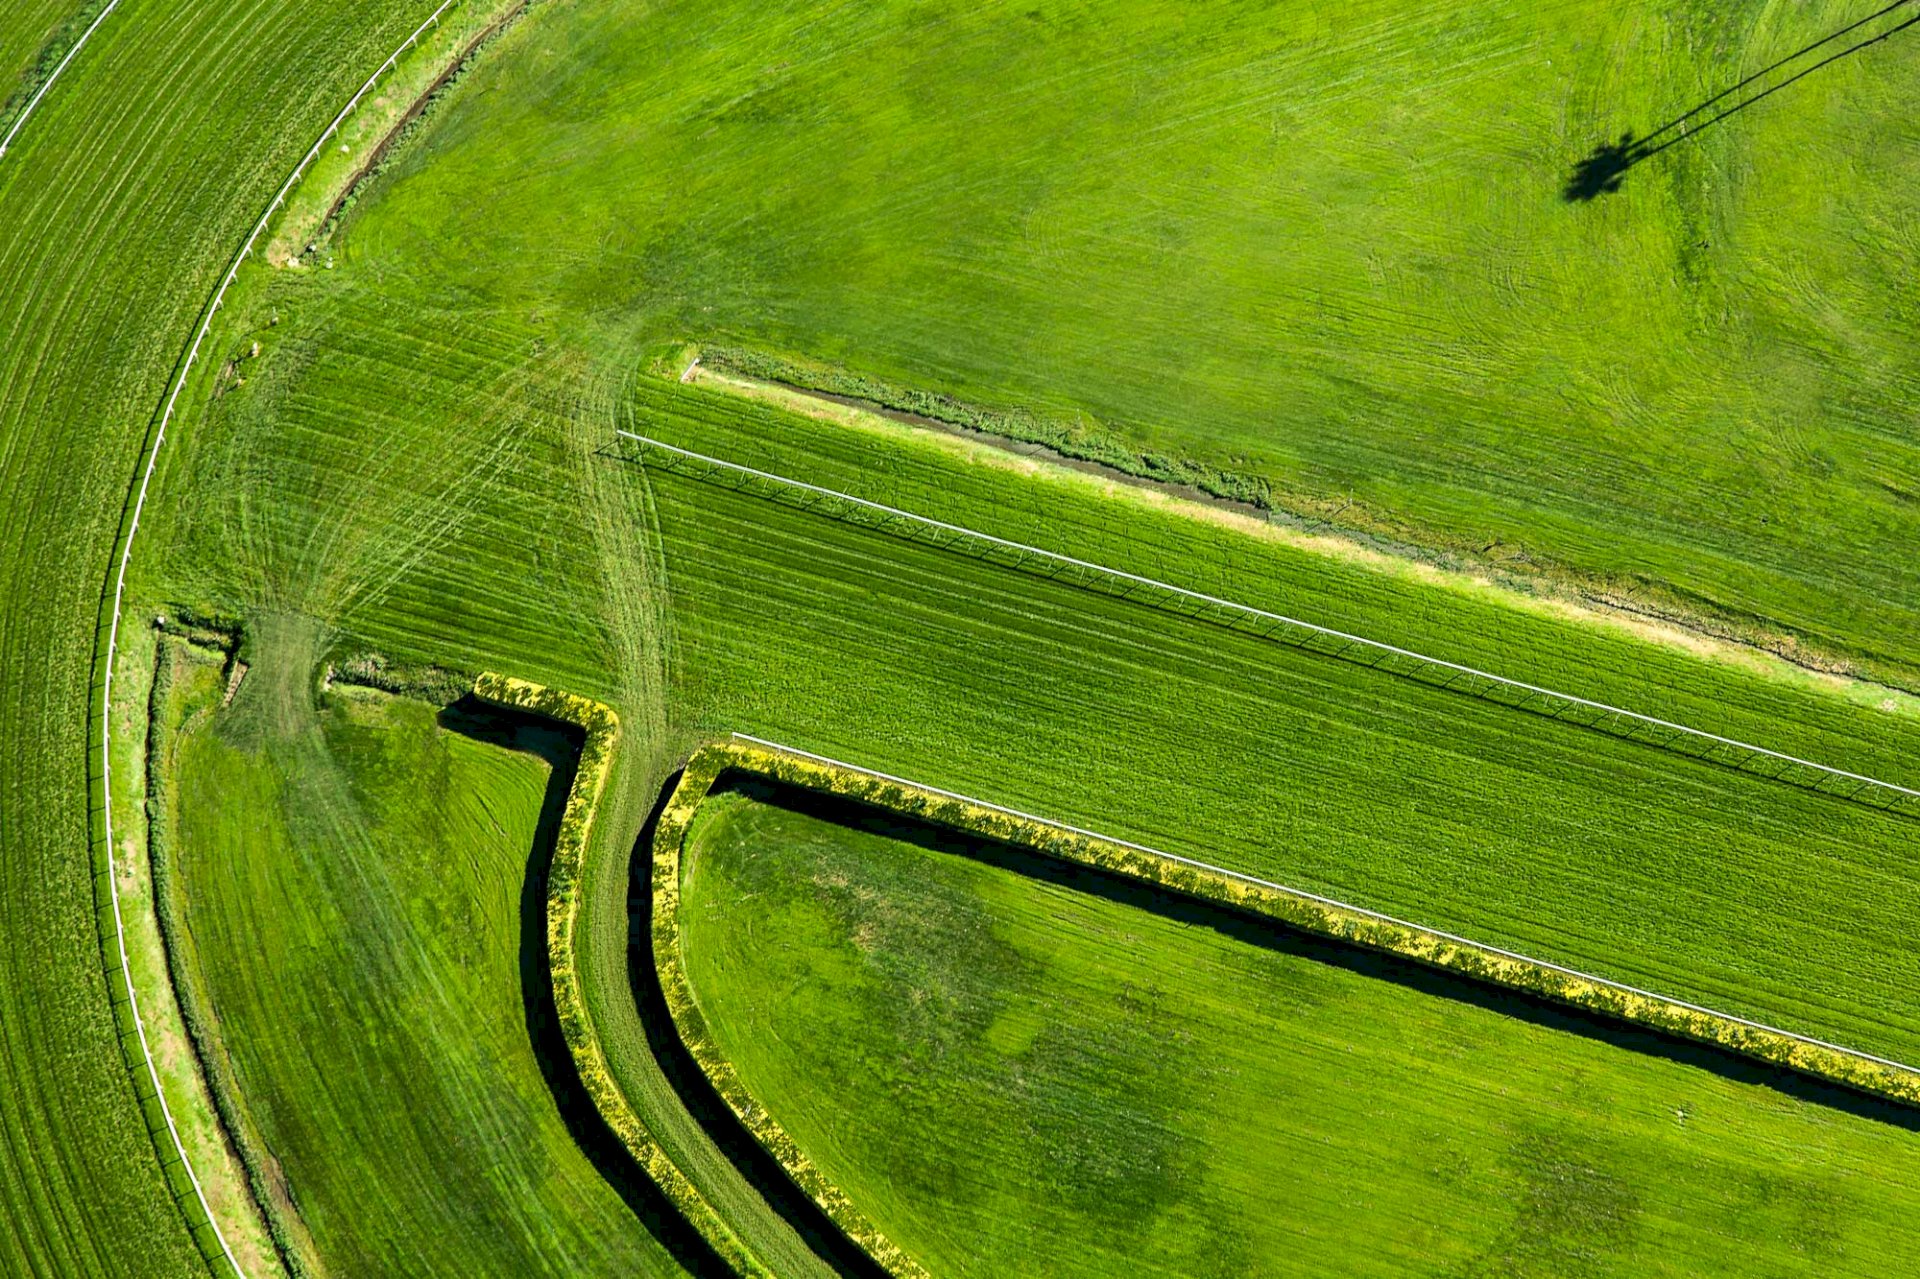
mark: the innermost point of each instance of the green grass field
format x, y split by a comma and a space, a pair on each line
1324, 243
120, 204
354, 880
1016, 1075
1242, 238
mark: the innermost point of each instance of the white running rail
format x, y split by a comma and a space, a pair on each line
120, 588
1303, 894
34, 101
1894, 794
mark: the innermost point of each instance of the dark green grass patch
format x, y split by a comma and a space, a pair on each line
1014, 1075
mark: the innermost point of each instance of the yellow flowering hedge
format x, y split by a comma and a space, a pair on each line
1296, 910
602, 728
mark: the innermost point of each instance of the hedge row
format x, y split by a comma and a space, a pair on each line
706, 766
1293, 909
1069, 439
602, 729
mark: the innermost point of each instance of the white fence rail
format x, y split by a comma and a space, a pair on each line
20, 120
1433, 671
132, 528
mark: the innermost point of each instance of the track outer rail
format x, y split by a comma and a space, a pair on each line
20, 120
1302, 895
1435, 672
107, 640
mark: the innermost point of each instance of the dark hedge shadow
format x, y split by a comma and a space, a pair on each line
560, 746
1259, 930
761, 1170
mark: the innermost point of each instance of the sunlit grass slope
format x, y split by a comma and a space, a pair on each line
1013, 1076
1323, 243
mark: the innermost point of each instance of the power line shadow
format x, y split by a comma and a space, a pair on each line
1604, 168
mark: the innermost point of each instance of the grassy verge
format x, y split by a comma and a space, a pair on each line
1014, 1065
192, 680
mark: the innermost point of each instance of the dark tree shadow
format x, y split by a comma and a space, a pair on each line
1603, 169
1269, 934
761, 1170
560, 747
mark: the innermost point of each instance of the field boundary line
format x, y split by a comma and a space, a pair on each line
34, 101
1443, 952
1438, 672
599, 726
104, 660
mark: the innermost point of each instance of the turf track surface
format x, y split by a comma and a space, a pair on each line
136, 186
416, 461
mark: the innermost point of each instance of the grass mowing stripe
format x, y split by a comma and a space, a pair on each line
104, 660
1907, 1089
1896, 797
20, 120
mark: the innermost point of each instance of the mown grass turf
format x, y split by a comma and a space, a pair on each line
419, 459
34, 36
119, 205
353, 876
1014, 1075
1324, 243
454, 540
1624, 860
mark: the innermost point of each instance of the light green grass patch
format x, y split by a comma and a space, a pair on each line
1020, 1076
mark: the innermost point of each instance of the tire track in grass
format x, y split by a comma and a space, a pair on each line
103, 660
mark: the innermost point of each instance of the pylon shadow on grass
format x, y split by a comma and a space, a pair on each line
1605, 167
1270, 934
560, 748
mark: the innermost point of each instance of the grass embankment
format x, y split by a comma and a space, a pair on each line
1017, 1072
354, 871
1322, 247
187, 674
122, 200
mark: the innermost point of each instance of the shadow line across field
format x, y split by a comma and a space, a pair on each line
1605, 167
1269, 934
